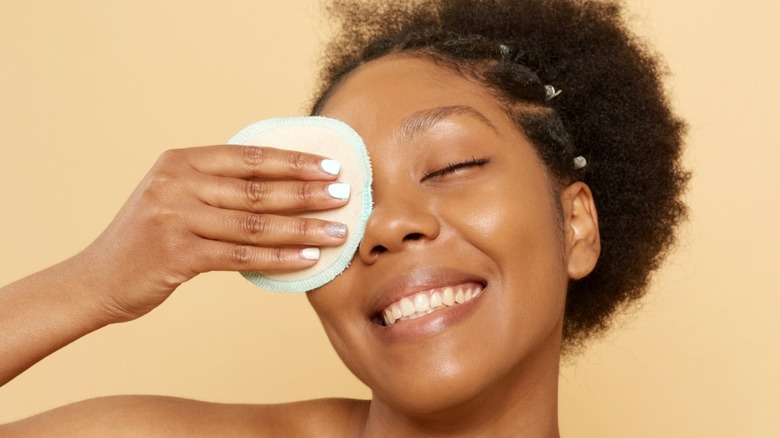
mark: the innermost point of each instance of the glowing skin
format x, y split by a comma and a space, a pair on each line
488, 223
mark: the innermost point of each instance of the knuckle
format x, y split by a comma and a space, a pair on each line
297, 161
161, 192
254, 156
164, 218
163, 221
167, 175
256, 193
256, 224
305, 192
278, 256
169, 157
159, 183
303, 227
241, 255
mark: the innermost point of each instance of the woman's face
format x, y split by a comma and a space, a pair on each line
463, 209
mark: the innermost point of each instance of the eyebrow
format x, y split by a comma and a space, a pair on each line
421, 121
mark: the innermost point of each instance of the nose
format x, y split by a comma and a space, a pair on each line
395, 224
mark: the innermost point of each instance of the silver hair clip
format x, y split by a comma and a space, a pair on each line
580, 162
504, 49
551, 92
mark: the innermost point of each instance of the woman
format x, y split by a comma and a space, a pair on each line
525, 160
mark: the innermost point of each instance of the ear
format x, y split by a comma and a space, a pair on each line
581, 230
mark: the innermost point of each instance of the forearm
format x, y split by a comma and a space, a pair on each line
193, 213
44, 312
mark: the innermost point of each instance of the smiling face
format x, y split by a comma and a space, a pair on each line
463, 207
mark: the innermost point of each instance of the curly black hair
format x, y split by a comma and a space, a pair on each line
613, 111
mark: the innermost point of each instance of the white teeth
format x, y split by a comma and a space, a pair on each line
392, 314
397, 313
436, 300
448, 297
421, 303
407, 308
388, 315
424, 303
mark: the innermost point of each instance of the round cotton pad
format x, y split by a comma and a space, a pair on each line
331, 139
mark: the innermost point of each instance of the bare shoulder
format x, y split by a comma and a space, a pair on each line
154, 416
331, 417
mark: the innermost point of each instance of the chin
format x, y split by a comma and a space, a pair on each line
467, 383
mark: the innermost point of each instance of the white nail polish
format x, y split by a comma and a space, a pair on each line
310, 253
339, 190
331, 166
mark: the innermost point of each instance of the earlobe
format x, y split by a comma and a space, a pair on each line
581, 230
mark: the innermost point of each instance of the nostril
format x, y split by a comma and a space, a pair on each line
379, 249
413, 236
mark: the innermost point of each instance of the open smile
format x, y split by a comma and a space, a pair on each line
429, 301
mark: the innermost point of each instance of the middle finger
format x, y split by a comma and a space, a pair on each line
272, 196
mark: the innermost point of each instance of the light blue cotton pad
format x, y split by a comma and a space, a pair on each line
332, 139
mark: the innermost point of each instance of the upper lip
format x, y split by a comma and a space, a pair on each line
416, 281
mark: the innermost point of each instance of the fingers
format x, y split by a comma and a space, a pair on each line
232, 208
256, 162
265, 230
224, 256
271, 196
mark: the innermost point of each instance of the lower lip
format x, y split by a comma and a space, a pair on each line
430, 324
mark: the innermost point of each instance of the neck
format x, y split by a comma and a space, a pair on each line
522, 404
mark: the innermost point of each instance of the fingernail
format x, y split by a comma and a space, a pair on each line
339, 190
310, 253
336, 230
331, 166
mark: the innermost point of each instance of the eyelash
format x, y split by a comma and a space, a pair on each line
452, 167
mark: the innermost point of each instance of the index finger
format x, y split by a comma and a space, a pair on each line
261, 162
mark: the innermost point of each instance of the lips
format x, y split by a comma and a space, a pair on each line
429, 301
422, 291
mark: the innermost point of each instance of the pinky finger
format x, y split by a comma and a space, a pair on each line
225, 256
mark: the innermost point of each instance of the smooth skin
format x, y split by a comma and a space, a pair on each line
460, 197
488, 367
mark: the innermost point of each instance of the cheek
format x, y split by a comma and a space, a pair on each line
512, 217
514, 223
340, 321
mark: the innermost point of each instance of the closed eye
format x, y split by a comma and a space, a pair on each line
454, 167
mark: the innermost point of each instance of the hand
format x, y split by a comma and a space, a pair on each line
211, 208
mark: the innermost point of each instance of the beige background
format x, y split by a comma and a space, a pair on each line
92, 91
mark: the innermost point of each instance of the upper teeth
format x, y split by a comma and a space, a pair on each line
428, 301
